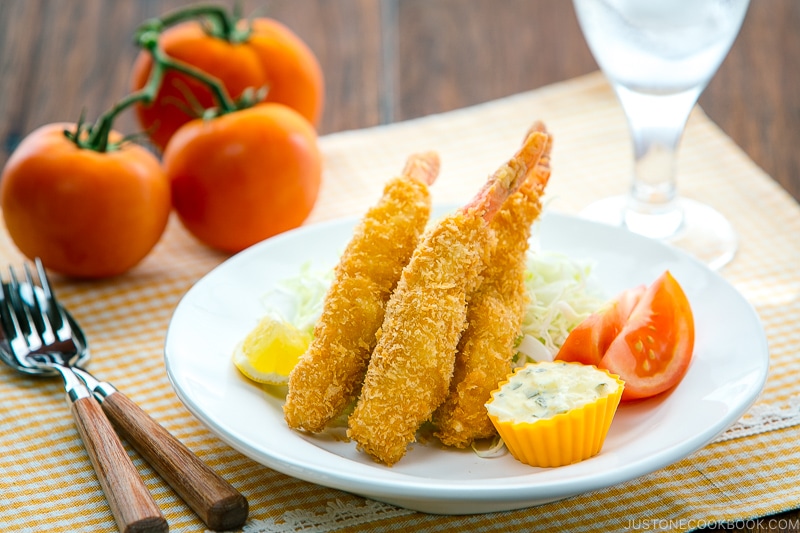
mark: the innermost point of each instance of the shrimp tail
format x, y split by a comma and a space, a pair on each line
423, 167
509, 177
540, 176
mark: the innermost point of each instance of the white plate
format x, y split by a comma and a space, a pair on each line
725, 377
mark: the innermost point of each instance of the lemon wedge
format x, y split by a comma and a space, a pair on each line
270, 351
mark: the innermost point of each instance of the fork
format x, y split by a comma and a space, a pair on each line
215, 501
130, 502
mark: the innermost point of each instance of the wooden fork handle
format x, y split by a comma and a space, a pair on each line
131, 504
214, 500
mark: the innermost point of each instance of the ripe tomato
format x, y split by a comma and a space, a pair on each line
646, 336
590, 339
84, 213
293, 74
272, 56
244, 176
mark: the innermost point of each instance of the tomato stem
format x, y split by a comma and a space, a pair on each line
98, 135
217, 22
220, 24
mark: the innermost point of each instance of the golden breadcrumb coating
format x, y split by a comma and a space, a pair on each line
494, 316
411, 367
329, 375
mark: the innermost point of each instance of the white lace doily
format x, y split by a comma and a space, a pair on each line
336, 515
763, 417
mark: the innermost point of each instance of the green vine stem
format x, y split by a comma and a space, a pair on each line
96, 137
220, 23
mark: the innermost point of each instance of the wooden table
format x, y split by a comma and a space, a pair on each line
392, 60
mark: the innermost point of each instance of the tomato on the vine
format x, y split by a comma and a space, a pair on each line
252, 54
85, 213
244, 176
646, 336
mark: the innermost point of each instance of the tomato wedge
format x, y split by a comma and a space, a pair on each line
590, 339
646, 336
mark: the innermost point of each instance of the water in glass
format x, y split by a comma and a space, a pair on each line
659, 55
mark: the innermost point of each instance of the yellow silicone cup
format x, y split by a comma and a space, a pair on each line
562, 439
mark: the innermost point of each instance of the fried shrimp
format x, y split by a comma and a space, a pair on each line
494, 315
329, 375
410, 369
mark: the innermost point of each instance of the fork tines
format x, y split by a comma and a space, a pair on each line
31, 311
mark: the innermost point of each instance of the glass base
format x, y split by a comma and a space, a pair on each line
693, 227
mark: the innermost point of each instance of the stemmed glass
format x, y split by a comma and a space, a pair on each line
659, 55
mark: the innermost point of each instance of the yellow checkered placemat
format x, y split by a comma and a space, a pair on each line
46, 480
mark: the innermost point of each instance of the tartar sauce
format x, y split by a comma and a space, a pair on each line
545, 389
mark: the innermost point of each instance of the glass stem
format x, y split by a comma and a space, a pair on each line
656, 123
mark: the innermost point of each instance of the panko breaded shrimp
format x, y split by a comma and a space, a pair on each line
494, 316
410, 370
329, 375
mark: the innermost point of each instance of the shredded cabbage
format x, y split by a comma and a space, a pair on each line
562, 294
496, 448
298, 300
